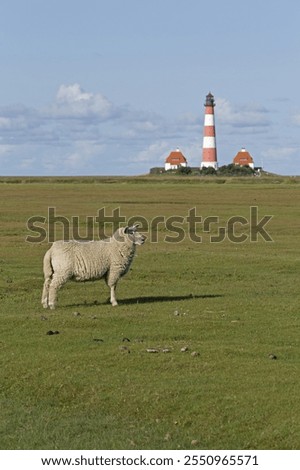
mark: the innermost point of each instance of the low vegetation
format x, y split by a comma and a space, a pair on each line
225, 170
203, 349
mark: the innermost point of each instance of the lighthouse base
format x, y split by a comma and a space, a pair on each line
209, 165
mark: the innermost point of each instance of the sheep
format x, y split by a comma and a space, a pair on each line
109, 259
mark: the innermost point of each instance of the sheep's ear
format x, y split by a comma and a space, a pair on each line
131, 229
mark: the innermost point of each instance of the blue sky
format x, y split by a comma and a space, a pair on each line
111, 87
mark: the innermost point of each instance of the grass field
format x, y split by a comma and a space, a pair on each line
235, 304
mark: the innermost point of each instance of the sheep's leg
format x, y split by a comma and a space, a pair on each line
45, 293
113, 299
111, 281
56, 283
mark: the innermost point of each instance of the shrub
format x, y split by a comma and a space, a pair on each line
184, 170
235, 170
208, 171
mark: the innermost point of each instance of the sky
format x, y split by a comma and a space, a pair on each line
100, 87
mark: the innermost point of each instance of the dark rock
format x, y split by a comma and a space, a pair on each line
272, 356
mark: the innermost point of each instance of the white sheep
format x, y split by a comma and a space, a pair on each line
109, 259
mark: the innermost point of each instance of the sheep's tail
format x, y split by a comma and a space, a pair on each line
47, 265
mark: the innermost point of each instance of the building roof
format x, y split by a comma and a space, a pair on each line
176, 158
243, 157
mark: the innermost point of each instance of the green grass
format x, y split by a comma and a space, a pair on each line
234, 304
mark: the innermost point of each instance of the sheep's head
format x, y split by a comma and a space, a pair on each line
129, 233
136, 237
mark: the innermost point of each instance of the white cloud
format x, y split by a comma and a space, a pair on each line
76, 115
154, 154
146, 126
193, 152
71, 133
73, 102
279, 152
296, 119
281, 160
6, 149
84, 132
28, 163
82, 156
72, 93
249, 115
5, 123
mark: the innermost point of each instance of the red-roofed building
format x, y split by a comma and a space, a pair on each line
175, 160
243, 158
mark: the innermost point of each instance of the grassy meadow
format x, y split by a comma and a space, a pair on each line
235, 305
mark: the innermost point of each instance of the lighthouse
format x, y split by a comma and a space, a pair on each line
209, 154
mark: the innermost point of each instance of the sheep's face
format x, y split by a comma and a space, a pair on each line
136, 237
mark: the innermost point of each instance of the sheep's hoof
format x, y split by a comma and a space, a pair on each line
51, 306
114, 304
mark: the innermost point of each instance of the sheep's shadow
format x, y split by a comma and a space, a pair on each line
151, 299
166, 298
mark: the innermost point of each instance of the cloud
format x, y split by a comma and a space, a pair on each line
5, 123
279, 152
5, 149
282, 160
73, 102
190, 119
146, 126
72, 93
249, 115
76, 115
296, 119
27, 163
154, 154
83, 155
82, 132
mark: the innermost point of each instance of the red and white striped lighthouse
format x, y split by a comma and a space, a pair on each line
209, 154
